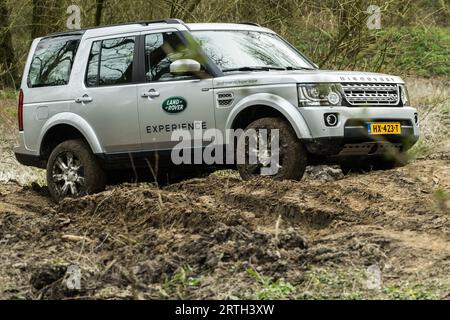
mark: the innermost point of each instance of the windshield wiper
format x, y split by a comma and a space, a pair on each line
266, 68
298, 68
256, 68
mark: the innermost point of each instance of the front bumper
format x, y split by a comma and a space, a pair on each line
350, 135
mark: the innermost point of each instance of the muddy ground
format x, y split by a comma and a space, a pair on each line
219, 237
384, 234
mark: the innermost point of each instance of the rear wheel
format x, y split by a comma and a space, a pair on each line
73, 171
286, 163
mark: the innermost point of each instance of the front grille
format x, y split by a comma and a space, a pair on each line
361, 94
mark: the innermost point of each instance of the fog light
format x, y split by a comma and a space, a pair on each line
331, 119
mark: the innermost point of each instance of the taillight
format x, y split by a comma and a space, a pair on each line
20, 110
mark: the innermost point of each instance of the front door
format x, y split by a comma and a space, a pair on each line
168, 102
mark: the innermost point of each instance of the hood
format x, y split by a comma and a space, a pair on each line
256, 78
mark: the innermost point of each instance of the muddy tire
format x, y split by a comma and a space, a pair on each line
74, 171
292, 154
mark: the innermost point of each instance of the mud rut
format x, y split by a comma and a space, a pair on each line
131, 241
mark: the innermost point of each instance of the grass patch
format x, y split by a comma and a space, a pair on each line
322, 284
442, 199
267, 288
180, 283
416, 292
401, 51
9, 94
415, 50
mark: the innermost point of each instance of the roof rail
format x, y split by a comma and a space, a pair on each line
250, 23
168, 21
144, 23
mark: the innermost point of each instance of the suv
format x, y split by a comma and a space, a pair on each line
111, 97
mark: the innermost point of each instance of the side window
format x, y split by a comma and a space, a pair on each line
52, 61
161, 49
111, 62
92, 69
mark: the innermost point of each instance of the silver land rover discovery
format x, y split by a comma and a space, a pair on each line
108, 98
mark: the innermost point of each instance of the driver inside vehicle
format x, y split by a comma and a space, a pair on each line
161, 50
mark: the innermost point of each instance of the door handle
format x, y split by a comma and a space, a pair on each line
150, 94
84, 99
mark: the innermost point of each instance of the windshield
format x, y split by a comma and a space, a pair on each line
247, 50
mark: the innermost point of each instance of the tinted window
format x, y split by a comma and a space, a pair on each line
111, 62
52, 61
161, 49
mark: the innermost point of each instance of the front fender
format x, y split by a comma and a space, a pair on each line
290, 112
78, 123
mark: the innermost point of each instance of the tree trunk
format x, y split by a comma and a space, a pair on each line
8, 70
46, 16
98, 12
37, 21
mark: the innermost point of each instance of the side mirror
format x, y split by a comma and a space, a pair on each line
184, 66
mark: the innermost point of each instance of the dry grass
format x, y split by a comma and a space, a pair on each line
432, 99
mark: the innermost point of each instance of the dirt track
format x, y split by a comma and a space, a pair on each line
220, 237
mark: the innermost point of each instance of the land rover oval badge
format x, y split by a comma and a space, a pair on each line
174, 105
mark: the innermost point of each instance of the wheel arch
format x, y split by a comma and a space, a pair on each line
63, 127
259, 106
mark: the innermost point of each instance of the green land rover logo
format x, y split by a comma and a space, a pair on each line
174, 105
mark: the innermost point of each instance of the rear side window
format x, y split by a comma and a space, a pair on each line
111, 62
52, 61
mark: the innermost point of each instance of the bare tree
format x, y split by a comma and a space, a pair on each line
46, 15
99, 11
8, 72
37, 21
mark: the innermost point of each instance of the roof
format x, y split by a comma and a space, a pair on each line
226, 26
158, 24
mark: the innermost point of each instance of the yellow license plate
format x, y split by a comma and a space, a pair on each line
385, 128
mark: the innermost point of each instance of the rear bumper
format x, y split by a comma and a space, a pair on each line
27, 157
30, 160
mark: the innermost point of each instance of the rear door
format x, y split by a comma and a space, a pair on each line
106, 96
45, 83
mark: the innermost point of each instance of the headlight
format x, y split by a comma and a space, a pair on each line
319, 95
404, 95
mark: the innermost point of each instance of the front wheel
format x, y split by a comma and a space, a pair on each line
287, 162
73, 171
